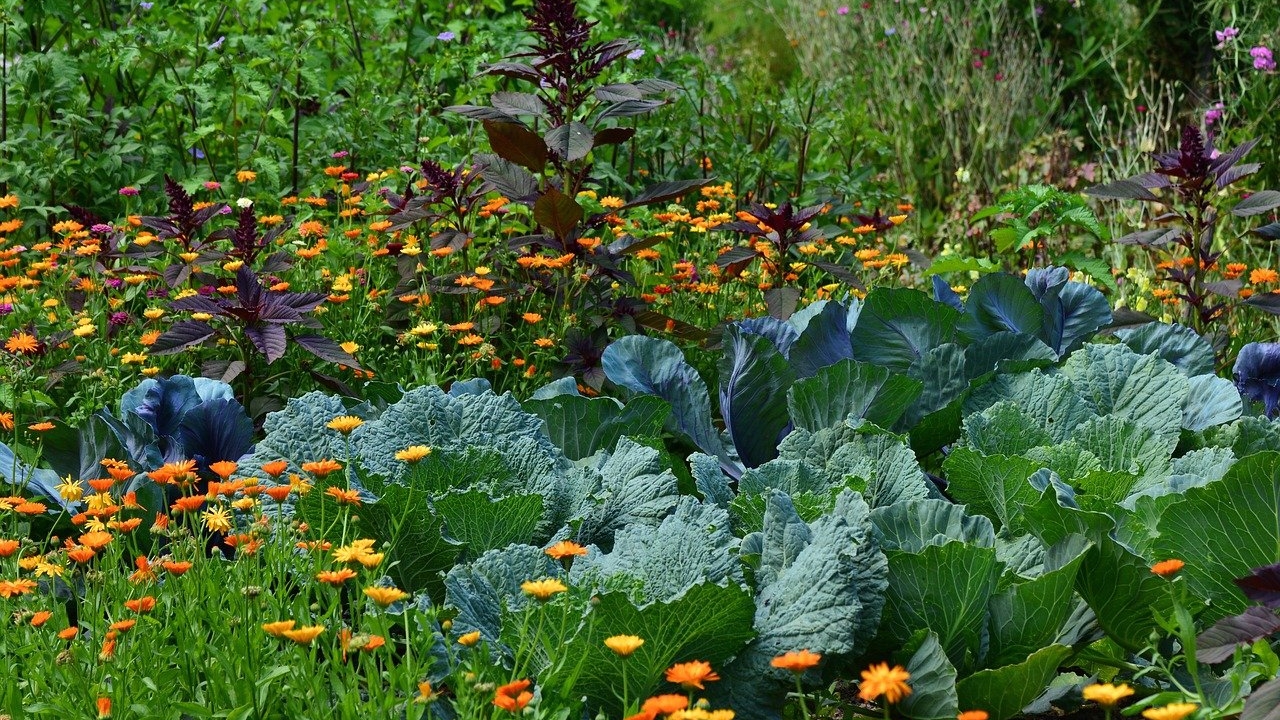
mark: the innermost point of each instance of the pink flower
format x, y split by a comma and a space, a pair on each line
1225, 35
842, 10
129, 191
1262, 59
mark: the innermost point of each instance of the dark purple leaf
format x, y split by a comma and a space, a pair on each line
1266, 302
518, 103
614, 136
1149, 238
508, 178
270, 340
1262, 585
843, 274
651, 86
1220, 641
327, 350
1122, 190
570, 142
1257, 203
1227, 160
517, 143
224, 370
302, 302
1224, 288
1270, 232
176, 274
1263, 703
180, 336
162, 226
666, 190
628, 245
676, 328
1236, 173
277, 262
482, 112
736, 259
782, 302
557, 212
332, 383
519, 71
196, 303
618, 93
629, 108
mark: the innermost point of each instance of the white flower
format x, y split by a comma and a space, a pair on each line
244, 203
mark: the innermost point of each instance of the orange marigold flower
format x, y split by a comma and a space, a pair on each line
22, 343
564, 549
335, 577
40, 618
278, 627
344, 423
1172, 711
6, 421
344, 497
1167, 568
321, 468
191, 503
1263, 275
104, 707
81, 554
691, 674
176, 569
223, 468
68, 633
279, 492
514, 696
13, 588
972, 715
797, 661
96, 540
543, 589
1106, 693
123, 626
665, 704
882, 680
9, 547
30, 508
275, 468
142, 605
45, 426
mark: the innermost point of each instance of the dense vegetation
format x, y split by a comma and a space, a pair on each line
639, 359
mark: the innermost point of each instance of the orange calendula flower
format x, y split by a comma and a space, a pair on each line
96, 540
104, 707
68, 633
176, 569
40, 618
22, 343
275, 468
665, 704
30, 508
279, 493
344, 497
469, 639
278, 627
81, 554
691, 674
45, 426
543, 589
1263, 275
322, 468
123, 626
304, 635
335, 577
514, 696
385, 596
972, 715
142, 605
884, 681
624, 645
187, 504
223, 468
413, 453
6, 421
564, 549
797, 661
1167, 568
9, 547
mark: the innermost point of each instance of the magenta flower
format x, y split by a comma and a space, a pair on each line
1213, 114
842, 10
1262, 59
1226, 35
129, 191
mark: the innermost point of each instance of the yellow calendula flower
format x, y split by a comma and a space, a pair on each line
469, 639
217, 520
543, 589
70, 490
385, 596
1106, 693
1172, 711
344, 423
413, 453
624, 645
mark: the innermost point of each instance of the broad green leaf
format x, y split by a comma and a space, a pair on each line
635, 488
943, 588
897, 326
487, 588
1117, 381
1004, 691
1178, 344
941, 373
1051, 400
419, 552
1225, 529
933, 680
582, 426
754, 382
1211, 401
1123, 445
485, 523
1003, 429
850, 390
999, 303
1030, 615
996, 486
911, 526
